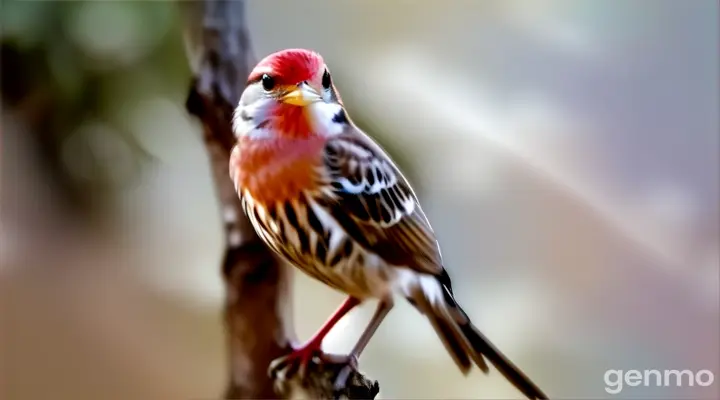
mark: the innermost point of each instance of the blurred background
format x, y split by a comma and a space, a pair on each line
565, 151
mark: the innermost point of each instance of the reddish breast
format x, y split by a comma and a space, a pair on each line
278, 169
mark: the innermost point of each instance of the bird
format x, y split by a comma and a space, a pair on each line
328, 199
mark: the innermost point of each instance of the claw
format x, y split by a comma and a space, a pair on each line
295, 362
298, 360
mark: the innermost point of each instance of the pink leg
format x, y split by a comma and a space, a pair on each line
312, 347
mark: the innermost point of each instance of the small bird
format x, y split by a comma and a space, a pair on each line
327, 198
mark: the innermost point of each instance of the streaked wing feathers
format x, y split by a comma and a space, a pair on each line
374, 203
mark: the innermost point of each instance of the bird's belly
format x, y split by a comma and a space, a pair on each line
328, 255
365, 276
362, 275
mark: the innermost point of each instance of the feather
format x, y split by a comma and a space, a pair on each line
375, 204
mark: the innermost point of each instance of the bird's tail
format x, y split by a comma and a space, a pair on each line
464, 342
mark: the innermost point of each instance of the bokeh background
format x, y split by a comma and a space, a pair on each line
565, 151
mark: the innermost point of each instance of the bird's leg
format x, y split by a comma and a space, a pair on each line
382, 310
302, 356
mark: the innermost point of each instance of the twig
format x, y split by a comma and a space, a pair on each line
258, 309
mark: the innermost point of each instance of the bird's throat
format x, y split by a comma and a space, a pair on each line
291, 122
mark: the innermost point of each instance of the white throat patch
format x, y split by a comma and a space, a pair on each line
321, 117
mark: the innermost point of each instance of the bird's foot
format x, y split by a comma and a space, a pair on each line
295, 362
300, 358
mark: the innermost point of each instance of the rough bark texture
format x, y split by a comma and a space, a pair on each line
258, 310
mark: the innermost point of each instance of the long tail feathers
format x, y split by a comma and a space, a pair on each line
454, 342
464, 342
481, 345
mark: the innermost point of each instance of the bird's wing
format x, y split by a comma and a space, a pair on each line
376, 206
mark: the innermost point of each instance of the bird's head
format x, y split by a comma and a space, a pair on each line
290, 94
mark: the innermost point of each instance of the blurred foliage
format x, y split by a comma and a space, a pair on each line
72, 69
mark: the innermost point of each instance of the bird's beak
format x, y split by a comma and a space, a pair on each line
302, 95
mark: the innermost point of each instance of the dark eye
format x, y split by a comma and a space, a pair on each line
268, 82
326, 80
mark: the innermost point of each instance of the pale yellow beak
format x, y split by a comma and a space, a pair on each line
302, 96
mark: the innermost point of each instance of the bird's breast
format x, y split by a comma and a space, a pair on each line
274, 171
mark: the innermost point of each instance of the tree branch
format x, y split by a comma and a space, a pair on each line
258, 309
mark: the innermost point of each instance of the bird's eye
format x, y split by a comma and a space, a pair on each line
268, 82
326, 80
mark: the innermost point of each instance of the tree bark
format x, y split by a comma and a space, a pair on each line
258, 308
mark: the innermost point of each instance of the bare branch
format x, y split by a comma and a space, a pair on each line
258, 310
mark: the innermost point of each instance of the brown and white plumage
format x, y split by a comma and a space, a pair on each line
355, 223
327, 198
